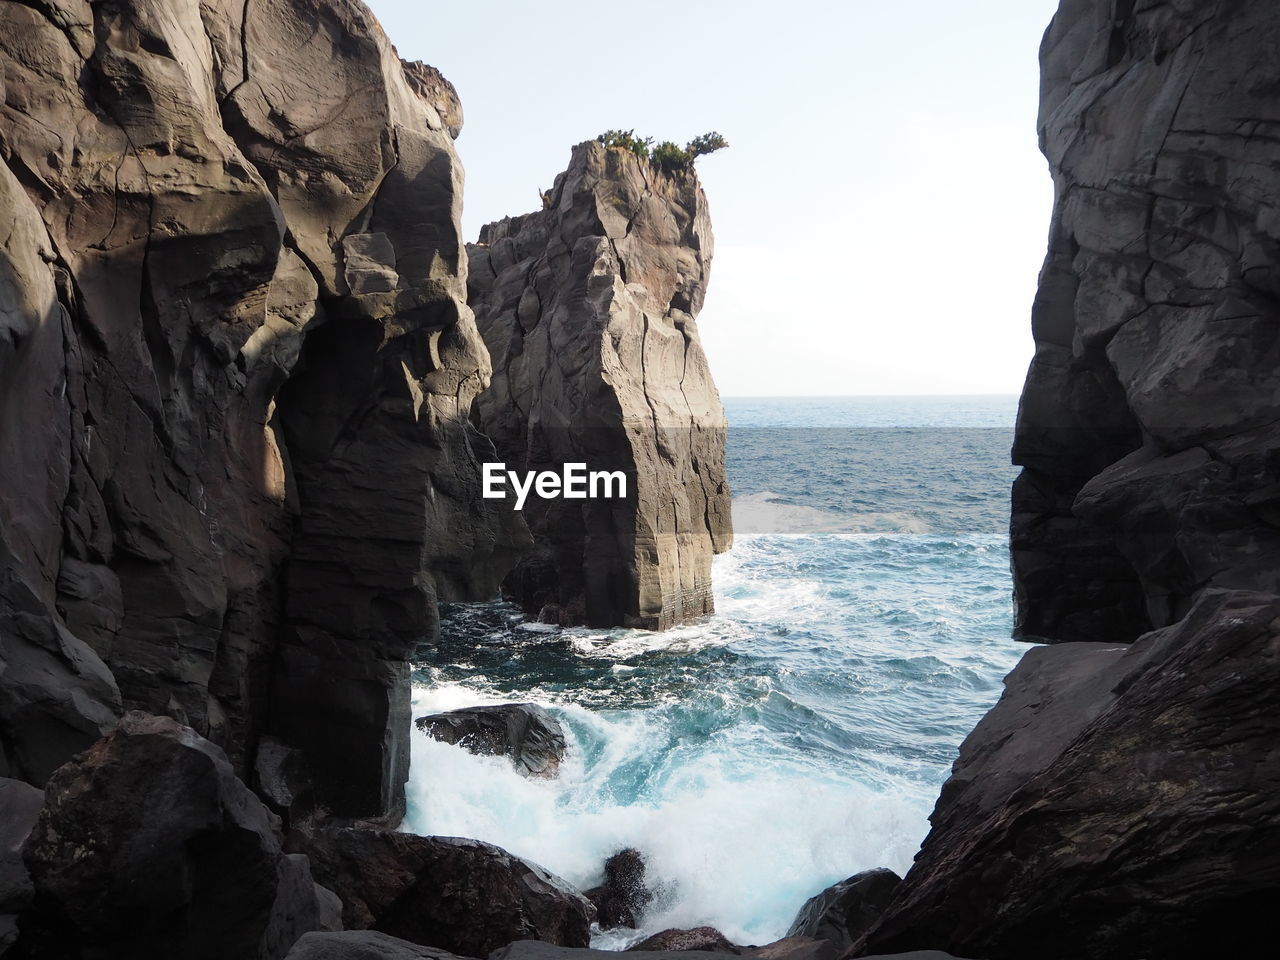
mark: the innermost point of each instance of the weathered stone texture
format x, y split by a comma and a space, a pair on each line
588, 309
1148, 428
233, 332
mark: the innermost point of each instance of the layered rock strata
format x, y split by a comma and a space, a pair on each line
236, 372
1148, 428
588, 309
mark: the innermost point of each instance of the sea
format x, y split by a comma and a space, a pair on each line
801, 734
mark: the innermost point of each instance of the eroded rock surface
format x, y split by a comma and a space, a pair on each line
149, 846
463, 896
236, 371
1148, 429
588, 309
1137, 810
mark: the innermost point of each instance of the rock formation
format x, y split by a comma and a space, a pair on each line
236, 371
621, 899
531, 737
844, 911
1148, 428
459, 895
588, 308
148, 846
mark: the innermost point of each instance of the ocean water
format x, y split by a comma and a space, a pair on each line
801, 734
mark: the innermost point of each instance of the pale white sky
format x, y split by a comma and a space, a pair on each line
882, 213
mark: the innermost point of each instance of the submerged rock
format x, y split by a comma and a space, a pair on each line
843, 912
621, 899
525, 732
1116, 803
463, 896
148, 846
705, 939
587, 308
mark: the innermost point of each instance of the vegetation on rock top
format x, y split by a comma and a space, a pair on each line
667, 155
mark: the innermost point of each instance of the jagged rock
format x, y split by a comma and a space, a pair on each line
281, 780
525, 732
1147, 430
234, 340
588, 308
704, 939
621, 899
20, 805
148, 846
844, 911
463, 896
362, 945
1136, 811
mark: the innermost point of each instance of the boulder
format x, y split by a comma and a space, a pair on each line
621, 899
1116, 803
794, 948
148, 846
463, 896
1148, 424
843, 912
361, 945
698, 939
525, 732
588, 310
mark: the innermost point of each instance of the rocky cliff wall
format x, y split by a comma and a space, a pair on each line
1119, 801
236, 372
1148, 428
588, 309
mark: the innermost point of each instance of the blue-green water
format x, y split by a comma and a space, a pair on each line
801, 734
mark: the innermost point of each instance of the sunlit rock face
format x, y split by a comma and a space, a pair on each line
588, 309
1148, 430
236, 373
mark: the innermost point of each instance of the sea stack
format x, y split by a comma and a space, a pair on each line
588, 309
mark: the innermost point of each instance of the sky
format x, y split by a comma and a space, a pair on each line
882, 211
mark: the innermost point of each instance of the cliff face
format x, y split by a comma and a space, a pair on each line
1120, 801
1148, 428
588, 309
236, 370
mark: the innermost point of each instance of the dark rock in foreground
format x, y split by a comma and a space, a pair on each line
525, 732
148, 847
20, 805
621, 899
463, 896
845, 911
704, 939
588, 309
362, 945
794, 948
1137, 810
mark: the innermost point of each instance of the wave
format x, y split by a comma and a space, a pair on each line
769, 513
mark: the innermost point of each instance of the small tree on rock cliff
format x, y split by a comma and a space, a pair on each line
667, 156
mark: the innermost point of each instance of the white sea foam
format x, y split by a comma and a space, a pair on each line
766, 513
733, 837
